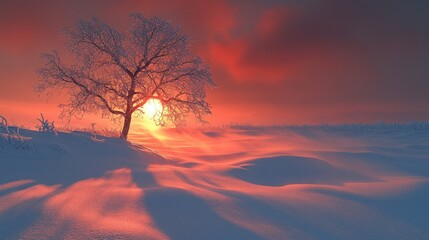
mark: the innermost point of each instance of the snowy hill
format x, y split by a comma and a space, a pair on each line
325, 182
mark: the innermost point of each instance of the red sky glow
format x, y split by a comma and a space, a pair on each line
275, 62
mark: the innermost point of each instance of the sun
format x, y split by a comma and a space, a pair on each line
152, 108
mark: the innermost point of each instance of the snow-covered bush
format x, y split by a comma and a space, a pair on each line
11, 136
8, 133
45, 125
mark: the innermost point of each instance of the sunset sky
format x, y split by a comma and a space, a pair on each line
274, 62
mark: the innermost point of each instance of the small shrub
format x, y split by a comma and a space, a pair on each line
94, 134
45, 125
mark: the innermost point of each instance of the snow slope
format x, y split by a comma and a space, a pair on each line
343, 182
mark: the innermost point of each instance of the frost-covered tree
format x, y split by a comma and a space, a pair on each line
116, 72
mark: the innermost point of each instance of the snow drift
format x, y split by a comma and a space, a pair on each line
229, 183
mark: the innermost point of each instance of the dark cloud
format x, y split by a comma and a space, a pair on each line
337, 50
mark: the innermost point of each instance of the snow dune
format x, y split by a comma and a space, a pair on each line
227, 183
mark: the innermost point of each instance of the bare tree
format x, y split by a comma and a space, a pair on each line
117, 72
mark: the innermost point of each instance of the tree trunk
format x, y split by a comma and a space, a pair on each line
126, 128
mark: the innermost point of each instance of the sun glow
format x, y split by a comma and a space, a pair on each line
152, 108
147, 119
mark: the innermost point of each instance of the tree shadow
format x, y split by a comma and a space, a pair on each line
182, 215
